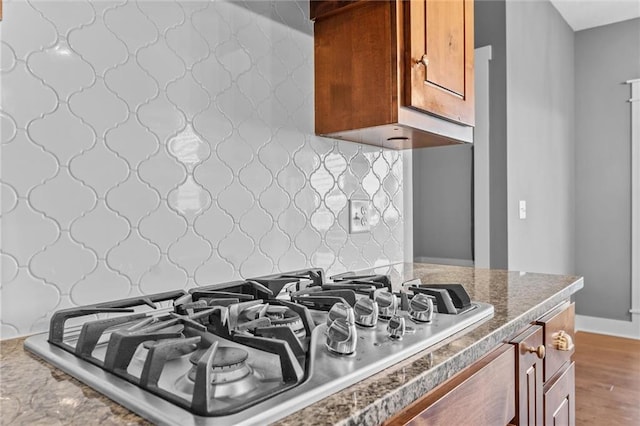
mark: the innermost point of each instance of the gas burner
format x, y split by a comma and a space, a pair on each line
230, 376
253, 318
229, 364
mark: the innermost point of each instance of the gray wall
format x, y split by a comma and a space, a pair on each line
605, 57
540, 134
442, 210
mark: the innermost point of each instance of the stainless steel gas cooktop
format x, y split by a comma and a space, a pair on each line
253, 351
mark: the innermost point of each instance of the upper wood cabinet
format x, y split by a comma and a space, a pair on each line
397, 74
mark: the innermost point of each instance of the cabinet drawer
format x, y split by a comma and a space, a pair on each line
559, 333
483, 394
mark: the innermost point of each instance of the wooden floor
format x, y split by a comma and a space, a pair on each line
607, 380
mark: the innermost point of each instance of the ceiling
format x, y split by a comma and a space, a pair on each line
583, 14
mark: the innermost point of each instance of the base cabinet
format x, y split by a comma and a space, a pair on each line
516, 384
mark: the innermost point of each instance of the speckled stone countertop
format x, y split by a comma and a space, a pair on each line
33, 392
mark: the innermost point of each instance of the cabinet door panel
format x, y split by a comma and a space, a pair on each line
444, 42
439, 58
559, 400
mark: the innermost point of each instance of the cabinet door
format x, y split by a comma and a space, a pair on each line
439, 58
529, 384
559, 399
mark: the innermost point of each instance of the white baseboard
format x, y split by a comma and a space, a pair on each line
443, 261
628, 329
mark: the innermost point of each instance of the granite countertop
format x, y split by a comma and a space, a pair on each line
33, 392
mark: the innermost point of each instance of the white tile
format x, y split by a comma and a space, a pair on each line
190, 251
26, 232
308, 240
256, 177
62, 198
256, 223
9, 198
65, 15
131, 83
256, 264
21, 156
133, 257
132, 141
163, 276
161, 62
64, 263
162, 171
7, 57
161, 117
236, 200
132, 199
9, 268
99, 168
275, 200
235, 248
187, 43
131, 25
307, 200
275, 242
188, 95
292, 259
24, 97
77, 135
8, 130
190, 199
162, 13
101, 285
26, 290
322, 219
188, 148
39, 32
100, 229
215, 270
111, 53
99, 108
163, 226
214, 224
213, 174
62, 68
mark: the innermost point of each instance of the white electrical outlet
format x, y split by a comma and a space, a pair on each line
359, 216
523, 209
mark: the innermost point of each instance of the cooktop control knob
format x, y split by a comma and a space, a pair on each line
366, 312
387, 304
341, 337
421, 308
341, 311
396, 327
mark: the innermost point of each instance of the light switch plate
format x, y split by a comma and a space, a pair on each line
359, 216
522, 209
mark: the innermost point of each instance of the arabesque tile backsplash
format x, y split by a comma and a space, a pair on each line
155, 145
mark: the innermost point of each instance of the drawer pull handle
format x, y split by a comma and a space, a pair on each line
562, 341
540, 351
